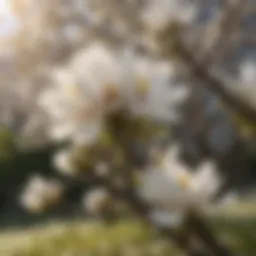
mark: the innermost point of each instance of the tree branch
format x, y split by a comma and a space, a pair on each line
203, 232
217, 33
199, 67
194, 225
201, 71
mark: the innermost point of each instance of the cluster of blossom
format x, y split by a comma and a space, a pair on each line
100, 81
28, 55
69, 26
78, 63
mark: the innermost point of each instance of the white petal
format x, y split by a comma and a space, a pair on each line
166, 218
62, 161
63, 131
206, 181
88, 133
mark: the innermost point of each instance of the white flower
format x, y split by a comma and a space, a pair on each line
99, 81
68, 109
97, 200
159, 188
63, 162
40, 193
206, 180
84, 93
159, 13
98, 69
174, 186
156, 94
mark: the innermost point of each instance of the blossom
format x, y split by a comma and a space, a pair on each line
157, 14
40, 193
63, 162
100, 81
97, 200
157, 93
173, 186
68, 108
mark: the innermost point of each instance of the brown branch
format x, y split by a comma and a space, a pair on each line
203, 232
200, 67
140, 208
219, 31
235, 41
201, 72
194, 225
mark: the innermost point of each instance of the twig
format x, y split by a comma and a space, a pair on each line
194, 224
203, 232
201, 71
140, 208
218, 33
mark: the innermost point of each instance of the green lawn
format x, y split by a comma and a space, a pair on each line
82, 238
124, 238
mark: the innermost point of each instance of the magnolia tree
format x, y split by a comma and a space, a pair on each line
142, 95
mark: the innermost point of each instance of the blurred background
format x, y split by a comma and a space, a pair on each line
66, 64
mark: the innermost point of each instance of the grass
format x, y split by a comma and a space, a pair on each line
124, 238
239, 233
82, 238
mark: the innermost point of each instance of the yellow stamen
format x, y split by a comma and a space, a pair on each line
184, 181
142, 87
73, 90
